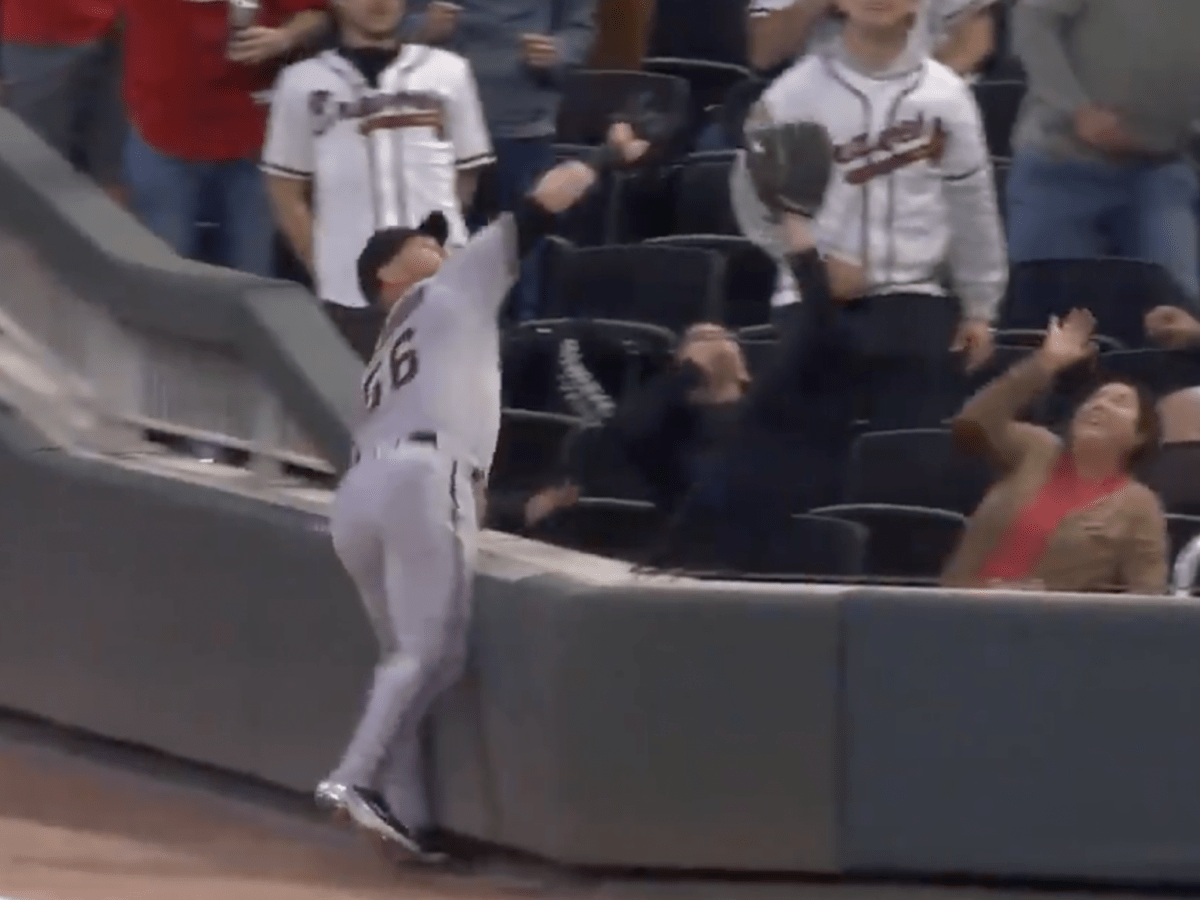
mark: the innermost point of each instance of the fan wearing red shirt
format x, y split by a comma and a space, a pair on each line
197, 104
61, 64
1068, 513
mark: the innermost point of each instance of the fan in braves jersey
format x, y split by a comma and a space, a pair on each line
405, 517
316, 156
912, 197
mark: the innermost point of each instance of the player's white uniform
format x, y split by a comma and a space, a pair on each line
314, 133
404, 519
912, 190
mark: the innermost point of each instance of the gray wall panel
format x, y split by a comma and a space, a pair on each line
217, 629
1025, 735
695, 729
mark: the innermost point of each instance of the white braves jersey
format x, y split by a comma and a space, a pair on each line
437, 364
903, 143
936, 18
314, 133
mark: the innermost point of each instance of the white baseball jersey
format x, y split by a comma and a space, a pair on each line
936, 18
912, 187
314, 133
437, 364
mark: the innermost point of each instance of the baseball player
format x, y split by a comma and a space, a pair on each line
321, 176
405, 517
912, 195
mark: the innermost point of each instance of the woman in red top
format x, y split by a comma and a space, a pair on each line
1067, 515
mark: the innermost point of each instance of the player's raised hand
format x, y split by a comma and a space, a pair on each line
621, 137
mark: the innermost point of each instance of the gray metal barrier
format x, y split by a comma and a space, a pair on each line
152, 342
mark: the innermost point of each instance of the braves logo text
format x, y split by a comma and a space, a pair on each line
896, 147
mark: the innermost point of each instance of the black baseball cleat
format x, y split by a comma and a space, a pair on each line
369, 811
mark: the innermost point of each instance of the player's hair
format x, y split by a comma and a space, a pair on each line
383, 246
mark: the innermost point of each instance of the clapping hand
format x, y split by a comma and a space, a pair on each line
256, 44
540, 50
1068, 341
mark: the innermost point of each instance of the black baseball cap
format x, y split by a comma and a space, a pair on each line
383, 246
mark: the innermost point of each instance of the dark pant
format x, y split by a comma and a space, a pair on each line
359, 325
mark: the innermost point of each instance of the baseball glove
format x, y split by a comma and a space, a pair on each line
790, 165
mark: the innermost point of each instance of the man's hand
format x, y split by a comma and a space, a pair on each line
1172, 327
847, 279
797, 232
539, 50
1104, 130
549, 500
441, 20
256, 44
975, 341
624, 141
1068, 341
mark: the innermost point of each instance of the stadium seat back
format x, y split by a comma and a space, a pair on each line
906, 542
702, 202
750, 275
604, 526
592, 96
672, 287
529, 451
1119, 293
920, 467
1172, 473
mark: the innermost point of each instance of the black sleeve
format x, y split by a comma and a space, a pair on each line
799, 357
534, 222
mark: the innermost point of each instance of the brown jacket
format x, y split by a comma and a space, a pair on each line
1118, 543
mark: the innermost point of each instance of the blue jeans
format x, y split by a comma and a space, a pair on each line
519, 164
1082, 209
71, 97
169, 196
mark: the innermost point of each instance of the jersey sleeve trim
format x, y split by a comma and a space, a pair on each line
284, 172
474, 162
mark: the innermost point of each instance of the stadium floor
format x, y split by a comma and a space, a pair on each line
81, 820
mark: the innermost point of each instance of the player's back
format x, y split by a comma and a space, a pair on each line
436, 367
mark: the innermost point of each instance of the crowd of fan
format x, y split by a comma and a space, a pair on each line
641, 336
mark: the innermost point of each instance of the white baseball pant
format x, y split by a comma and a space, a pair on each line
404, 526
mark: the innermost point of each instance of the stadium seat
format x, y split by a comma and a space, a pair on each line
1161, 371
672, 287
592, 96
800, 546
529, 451
1180, 530
708, 82
1119, 292
909, 543
1172, 473
702, 204
759, 355
735, 107
750, 275
605, 526
920, 467
999, 102
1033, 338
598, 465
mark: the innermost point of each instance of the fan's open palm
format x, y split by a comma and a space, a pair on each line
1069, 340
